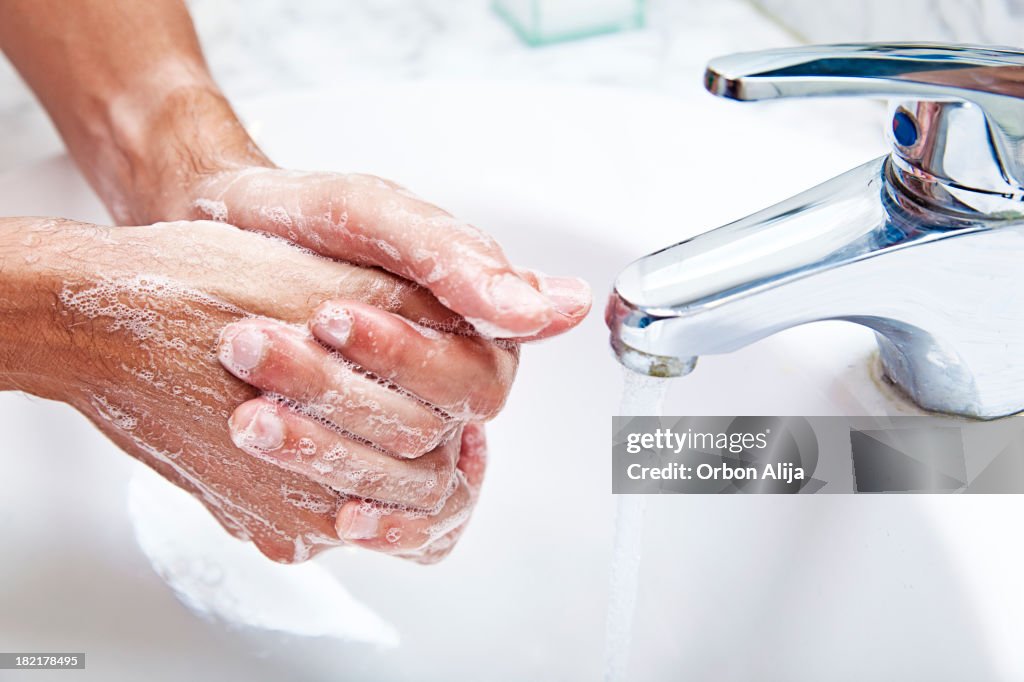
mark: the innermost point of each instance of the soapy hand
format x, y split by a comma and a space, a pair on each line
428, 387
370, 221
440, 384
368, 424
377, 406
358, 383
367, 220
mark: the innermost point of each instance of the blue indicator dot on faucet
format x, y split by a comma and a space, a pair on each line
904, 129
643, 322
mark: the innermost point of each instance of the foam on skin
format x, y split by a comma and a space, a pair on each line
166, 368
147, 373
213, 210
163, 319
395, 229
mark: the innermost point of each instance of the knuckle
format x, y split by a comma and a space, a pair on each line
436, 431
488, 386
494, 391
423, 438
414, 448
431, 496
492, 400
437, 483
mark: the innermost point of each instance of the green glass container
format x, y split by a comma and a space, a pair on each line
542, 22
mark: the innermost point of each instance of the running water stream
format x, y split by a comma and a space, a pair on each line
641, 395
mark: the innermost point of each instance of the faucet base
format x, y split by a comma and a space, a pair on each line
951, 392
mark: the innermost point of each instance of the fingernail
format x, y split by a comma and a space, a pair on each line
358, 525
264, 432
334, 323
570, 295
244, 350
508, 292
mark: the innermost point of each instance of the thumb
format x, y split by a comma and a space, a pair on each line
463, 267
570, 296
369, 221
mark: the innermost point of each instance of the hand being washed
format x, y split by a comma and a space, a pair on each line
441, 384
212, 170
357, 398
130, 92
126, 325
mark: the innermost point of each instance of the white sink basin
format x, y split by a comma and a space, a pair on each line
571, 181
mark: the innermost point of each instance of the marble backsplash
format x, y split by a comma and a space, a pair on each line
260, 47
989, 22
266, 46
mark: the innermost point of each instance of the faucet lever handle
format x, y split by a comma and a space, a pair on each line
958, 110
905, 71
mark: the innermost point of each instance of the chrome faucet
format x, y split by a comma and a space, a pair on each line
924, 245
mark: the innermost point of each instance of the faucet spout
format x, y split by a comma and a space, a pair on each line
856, 248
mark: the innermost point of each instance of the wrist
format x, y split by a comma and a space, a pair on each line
37, 346
166, 140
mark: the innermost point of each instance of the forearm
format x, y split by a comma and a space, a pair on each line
128, 89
